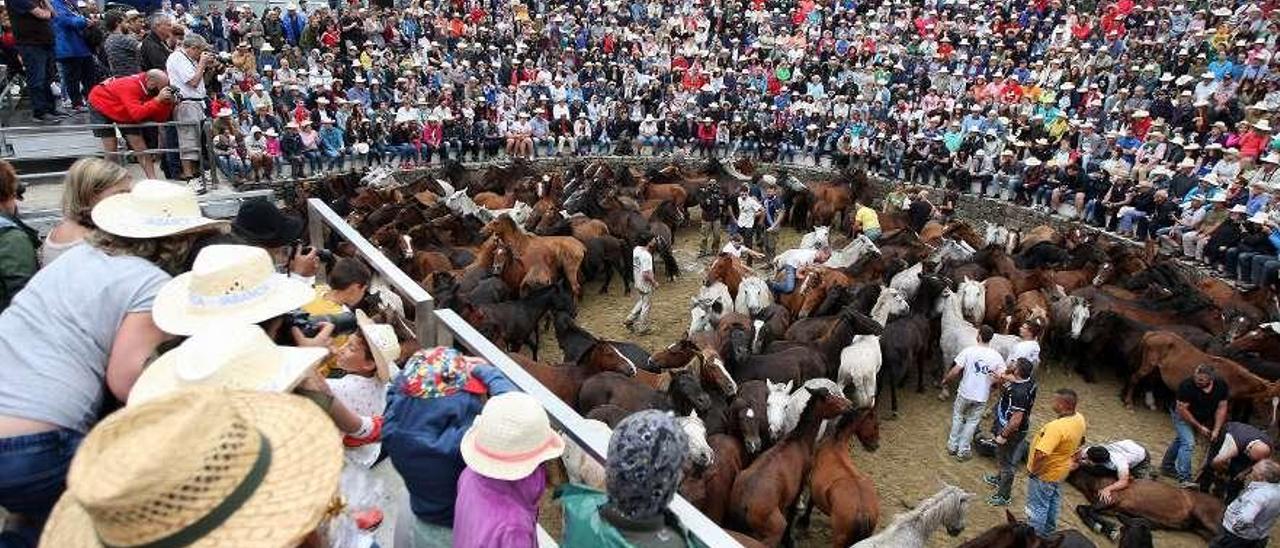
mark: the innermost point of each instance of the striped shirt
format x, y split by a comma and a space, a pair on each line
122, 54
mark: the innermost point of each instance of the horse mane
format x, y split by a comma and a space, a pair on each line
930, 512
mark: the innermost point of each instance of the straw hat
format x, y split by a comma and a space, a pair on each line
1187, 162
382, 341
1260, 218
227, 284
1032, 161
152, 209
1262, 125
240, 357
510, 438
201, 467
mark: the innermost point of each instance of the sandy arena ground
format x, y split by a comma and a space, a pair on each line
912, 460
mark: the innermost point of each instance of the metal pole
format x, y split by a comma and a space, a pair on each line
315, 234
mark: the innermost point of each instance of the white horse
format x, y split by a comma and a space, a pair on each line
705, 309
797, 401
700, 452
818, 239
908, 281
951, 250
851, 252
860, 361
1001, 236
958, 333
973, 300
776, 407
757, 344
753, 296
1072, 311
578, 465
912, 529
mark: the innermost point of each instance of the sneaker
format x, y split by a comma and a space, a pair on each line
997, 500
963, 457
60, 114
991, 480
951, 451
375, 435
46, 119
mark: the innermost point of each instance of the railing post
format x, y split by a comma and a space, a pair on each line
315, 235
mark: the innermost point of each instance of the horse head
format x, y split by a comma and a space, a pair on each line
1236, 323
719, 269
699, 315
892, 303
700, 452
1106, 273
676, 355
685, 385
744, 417
825, 404
954, 506
866, 427
1080, 313
502, 226
972, 299
776, 406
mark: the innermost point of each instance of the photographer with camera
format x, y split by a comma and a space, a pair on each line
260, 223
141, 98
186, 67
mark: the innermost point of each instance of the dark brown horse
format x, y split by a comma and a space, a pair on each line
709, 489
838, 487
1175, 359
764, 495
1162, 504
566, 379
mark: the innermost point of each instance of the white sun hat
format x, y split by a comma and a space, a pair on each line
227, 284
510, 438
151, 209
239, 357
382, 342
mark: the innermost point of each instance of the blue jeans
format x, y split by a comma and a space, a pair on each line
33, 474
1129, 219
1178, 456
1043, 502
38, 63
872, 233
788, 283
1264, 269
965, 416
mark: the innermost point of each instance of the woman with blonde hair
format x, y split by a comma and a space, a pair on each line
78, 335
89, 181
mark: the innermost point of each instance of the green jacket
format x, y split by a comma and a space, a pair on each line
18, 243
586, 527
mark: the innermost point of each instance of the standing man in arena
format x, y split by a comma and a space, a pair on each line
1012, 419
1200, 410
645, 283
978, 366
1052, 450
711, 202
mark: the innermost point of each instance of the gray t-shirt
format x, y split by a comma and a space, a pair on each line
56, 337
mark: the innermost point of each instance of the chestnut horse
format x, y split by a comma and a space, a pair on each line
709, 489
566, 379
1000, 300
838, 488
764, 495
728, 270
1162, 504
544, 258
1176, 360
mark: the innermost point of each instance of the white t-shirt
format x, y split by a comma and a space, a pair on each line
796, 258
1025, 349
981, 364
748, 207
641, 263
181, 69
733, 249
1125, 454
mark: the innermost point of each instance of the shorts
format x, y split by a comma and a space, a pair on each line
189, 135
96, 117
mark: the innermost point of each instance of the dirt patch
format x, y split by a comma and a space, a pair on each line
912, 461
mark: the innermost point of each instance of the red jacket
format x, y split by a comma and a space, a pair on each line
125, 100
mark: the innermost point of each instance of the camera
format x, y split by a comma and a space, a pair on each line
309, 324
177, 95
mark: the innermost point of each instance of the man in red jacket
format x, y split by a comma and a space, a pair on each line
143, 97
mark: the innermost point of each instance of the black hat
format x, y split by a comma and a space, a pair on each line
259, 222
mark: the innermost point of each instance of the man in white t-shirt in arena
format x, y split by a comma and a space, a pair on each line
979, 367
1126, 459
793, 265
1028, 347
749, 208
645, 283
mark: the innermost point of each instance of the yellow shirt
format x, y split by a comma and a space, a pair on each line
322, 306
867, 217
1058, 440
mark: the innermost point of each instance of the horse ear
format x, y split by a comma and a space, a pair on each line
789, 385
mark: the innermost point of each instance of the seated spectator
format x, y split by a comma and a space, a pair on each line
18, 242
142, 98
646, 462
499, 492
88, 182
430, 405
142, 238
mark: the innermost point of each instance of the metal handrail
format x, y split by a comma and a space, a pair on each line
563, 416
320, 215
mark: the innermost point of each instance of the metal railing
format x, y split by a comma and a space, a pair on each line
321, 217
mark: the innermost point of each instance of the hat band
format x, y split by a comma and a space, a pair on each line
166, 221
516, 457
230, 299
222, 512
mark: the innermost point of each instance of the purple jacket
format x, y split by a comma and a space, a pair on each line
492, 512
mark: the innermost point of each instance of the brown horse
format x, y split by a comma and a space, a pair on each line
673, 193
1040, 234
1069, 280
1162, 504
998, 262
960, 230
566, 379
728, 270
545, 258
1263, 340
838, 488
1176, 360
815, 287
764, 495
709, 489
1029, 306
1011, 534
1128, 305
1000, 300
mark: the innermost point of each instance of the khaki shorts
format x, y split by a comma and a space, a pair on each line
189, 135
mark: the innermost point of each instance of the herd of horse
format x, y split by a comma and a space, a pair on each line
773, 388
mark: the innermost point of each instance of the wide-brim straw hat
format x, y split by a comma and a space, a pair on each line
382, 341
240, 357
207, 467
1032, 162
227, 284
151, 209
1238, 209
510, 438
